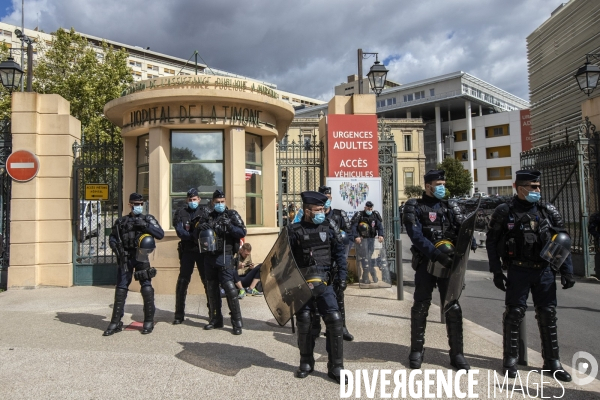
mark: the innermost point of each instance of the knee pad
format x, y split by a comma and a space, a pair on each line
454, 312
545, 315
421, 308
303, 321
230, 289
514, 315
333, 318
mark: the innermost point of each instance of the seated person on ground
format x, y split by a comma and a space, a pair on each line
246, 274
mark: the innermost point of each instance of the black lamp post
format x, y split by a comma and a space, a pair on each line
10, 74
377, 74
588, 74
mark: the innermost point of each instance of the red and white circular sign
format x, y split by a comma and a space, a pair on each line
22, 165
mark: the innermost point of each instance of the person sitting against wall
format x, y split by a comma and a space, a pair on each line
246, 275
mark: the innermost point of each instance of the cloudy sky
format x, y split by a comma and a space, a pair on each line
309, 46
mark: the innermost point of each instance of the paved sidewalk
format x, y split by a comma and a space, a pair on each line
51, 347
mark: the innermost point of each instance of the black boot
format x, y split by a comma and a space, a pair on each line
180, 294
418, 322
546, 317
118, 309
148, 297
455, 337
234, 307
214, 299
511, 323
335, 345
340, 300
306, 343
315, 324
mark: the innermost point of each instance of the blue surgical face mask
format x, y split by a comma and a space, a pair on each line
369, 212
533, 197
439, 192
220, 207
137, 210
193, 204
328, 203
318, 218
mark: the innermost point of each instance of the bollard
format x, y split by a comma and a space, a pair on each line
399, 271
523, 342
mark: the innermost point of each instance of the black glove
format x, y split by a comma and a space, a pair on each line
567, 280
140, 225
341, 284
444, 260
204, 226
500, 281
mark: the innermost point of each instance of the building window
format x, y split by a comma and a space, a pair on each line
254, 203
284, 181
306, 138
391, 101
196, 162
461, 136
408, 97
169, 71
150, 76
495, 131
500, 190
407, 142
152, 67
409, 178
498, 152
135, 63
420, 95
431, 92
143, 169
500, 173
463, 155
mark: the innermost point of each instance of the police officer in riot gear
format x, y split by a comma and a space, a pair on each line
184, 220
219, 264
341, 220
316, 245
517, 233
128, 235
367, 224
428, 221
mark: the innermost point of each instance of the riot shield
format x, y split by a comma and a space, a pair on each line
284, 287
462, 250
371, 264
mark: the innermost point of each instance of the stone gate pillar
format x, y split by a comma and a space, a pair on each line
41, 237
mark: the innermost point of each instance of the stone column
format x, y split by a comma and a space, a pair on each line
470, 143
438, 134
41, 242
235, 159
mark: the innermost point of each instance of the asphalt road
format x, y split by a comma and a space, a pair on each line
578, 308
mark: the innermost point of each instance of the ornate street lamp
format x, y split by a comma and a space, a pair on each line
10, 74
588, 74
377, 74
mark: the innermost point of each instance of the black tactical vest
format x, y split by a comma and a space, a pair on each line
523, 240
436, 223
224, 242
188, 219
370, 220
128, 232
314, 247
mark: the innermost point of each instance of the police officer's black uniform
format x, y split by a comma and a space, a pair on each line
184, 220
427, 220
219, 265
373, 229
316, 245
517, 233
126, 230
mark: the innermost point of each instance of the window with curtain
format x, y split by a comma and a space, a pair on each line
254, 168
143, 171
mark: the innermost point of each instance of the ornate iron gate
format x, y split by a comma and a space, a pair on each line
97, 162
388, 155
299, 168
5, 188
570, 181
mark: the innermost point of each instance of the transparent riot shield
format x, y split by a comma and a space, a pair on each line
371, 264
462, 250
283, 285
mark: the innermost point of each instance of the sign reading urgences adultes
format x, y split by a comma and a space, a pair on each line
352, 146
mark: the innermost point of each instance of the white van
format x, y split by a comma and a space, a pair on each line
90, 219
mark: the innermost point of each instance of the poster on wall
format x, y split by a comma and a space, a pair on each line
351, 194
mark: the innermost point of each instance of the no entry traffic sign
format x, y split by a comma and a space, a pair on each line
22, 165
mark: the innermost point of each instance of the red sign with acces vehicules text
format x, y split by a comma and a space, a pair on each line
352, 150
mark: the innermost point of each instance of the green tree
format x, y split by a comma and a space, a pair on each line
5, 96
458, 179
413, 191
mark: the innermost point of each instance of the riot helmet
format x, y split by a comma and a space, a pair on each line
363, 229
557, 249
207, 241
434, 267
145, 247
345, 238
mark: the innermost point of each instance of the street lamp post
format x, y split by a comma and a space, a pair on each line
11, 73
587, 75
26, 39
377, 74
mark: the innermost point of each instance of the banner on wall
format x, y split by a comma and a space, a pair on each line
352, 146
525, 130
351, 194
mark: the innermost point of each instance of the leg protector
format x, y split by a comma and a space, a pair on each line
511, 322
148, 297
372, 270
234, 307
418, 323
546, 317
315, 325
335, 345
214, 299
118, 309
340, 300
306, 343
180, 295
455, 337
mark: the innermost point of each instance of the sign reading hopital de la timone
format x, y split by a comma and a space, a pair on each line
201, 82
